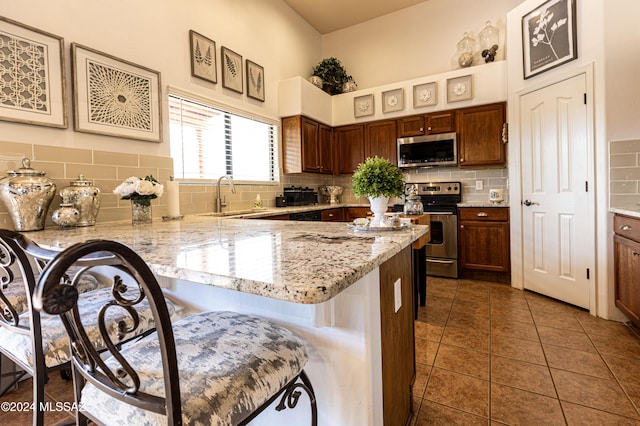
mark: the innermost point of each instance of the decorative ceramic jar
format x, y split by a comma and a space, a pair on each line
413, 205
27, 194
379, 208
67, 215
349, 86
316, 81
85, 197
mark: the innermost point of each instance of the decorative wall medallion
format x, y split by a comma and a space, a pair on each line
425, 95
460, 88
31, 75
363, 106
393, 100
115, 97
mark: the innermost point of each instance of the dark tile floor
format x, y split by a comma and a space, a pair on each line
488, 354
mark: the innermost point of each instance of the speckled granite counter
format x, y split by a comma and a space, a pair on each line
302, 262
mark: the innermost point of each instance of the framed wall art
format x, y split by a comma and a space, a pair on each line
393, 100
203, 57
231, 70
255, 81
460, 88
549, 36
115, 97
32, 86
363, 106
425, 94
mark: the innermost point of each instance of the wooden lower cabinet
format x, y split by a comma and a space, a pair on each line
351, 213
398, 339
626, 261
332, 215
483, 239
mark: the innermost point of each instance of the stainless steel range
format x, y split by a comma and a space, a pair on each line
440, 200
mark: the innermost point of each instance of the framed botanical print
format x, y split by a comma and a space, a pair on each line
32, 86
393, 100
255, 81
115, 97
231, 70
549, 36
425, 94
363, 106
203, 57
460, 88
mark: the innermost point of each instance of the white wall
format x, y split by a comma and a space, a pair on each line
415, 42
155, 34
606, 36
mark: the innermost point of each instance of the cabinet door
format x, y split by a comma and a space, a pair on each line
292, 144
410, 126
310, 142
380, 140
441, 122
349, 144
627, 277
352, 213
484, 245
325, 149
480, 136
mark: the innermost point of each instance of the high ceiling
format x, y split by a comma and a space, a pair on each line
331, 15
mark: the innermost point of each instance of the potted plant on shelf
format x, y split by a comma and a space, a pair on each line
333, 75
378, 179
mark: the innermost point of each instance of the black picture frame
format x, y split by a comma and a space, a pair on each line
255, 80
549, 36
231, 64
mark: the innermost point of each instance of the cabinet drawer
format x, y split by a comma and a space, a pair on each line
500, 214
628, 227
332, 215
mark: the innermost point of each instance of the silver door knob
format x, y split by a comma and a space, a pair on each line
529, 203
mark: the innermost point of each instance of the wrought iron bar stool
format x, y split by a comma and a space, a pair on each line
38, 344
213, 368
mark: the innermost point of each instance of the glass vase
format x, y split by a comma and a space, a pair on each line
140, 211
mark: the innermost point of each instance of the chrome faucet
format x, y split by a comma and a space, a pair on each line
220, 203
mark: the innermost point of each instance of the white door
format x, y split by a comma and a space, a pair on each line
557, 225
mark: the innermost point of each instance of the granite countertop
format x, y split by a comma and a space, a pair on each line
632, 210
271, 211
483, 204
302, 262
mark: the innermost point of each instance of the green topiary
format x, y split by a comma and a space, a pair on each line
333, 75
377, 177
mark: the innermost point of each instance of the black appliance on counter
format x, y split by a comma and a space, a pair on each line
440, 200
299, 196
315, 216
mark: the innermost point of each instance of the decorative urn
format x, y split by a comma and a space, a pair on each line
27, 194
84, 197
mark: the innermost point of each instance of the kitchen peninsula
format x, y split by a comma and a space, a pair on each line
348, 293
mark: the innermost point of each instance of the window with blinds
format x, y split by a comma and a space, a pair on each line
207, 142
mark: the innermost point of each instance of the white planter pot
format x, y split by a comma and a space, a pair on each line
379, 208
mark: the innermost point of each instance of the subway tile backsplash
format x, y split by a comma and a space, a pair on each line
108, 169
624, 174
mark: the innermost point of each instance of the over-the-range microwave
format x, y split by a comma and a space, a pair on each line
429, 150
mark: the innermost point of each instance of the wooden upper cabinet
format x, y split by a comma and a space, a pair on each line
480, 135
380, 140
349, 147
411, 126
306, 146
428, 124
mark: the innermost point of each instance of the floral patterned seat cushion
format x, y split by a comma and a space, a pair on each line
16, 294
54, 337
229, 365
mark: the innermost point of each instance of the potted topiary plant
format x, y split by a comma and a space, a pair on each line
378, 179
333, 75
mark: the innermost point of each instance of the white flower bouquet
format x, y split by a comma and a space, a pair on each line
140, 190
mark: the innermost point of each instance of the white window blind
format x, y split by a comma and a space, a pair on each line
207, 142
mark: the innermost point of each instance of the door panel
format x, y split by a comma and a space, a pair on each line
558, 232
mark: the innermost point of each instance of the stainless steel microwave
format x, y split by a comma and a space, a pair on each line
428, 151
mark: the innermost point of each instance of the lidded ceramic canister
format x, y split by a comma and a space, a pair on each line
85, 197
27, 194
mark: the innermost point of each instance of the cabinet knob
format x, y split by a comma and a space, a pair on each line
461, 226
482, 214
429, 128
625, 228
462, 160
635, 253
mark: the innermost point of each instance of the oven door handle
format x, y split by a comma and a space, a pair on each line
446, 262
